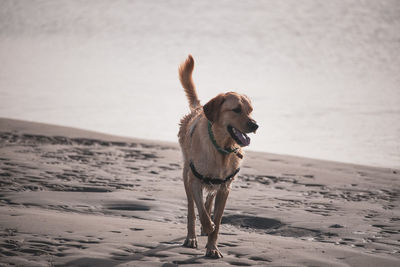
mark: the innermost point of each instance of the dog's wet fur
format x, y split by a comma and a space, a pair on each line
230, 115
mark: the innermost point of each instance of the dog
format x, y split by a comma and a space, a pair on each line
211, 139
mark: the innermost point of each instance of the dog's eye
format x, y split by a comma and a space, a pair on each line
237, 110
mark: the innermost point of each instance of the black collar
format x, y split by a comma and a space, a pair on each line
210, 180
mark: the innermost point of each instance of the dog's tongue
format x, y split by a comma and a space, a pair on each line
244, 139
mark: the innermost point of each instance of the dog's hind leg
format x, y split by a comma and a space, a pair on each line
209, 204
191, 240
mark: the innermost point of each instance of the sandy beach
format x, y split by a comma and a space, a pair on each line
72, 197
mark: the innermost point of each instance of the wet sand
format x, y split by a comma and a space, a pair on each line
71, 197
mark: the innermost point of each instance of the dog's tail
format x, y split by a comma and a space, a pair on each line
185, 76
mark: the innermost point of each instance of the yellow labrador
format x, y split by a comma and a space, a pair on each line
211, 138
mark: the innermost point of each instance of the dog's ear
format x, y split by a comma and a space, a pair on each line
212, 108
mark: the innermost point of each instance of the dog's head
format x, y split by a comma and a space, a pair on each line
232, 112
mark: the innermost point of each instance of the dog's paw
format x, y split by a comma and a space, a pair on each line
190, 242
207, 228
214, 253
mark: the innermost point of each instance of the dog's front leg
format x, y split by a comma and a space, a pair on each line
191, 240
208, 205
220, 201
206, 222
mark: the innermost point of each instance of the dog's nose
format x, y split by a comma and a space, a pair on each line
252, 125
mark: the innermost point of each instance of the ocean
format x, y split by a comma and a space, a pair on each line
323, 76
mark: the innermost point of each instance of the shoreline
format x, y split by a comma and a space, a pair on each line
71, 197
40, 128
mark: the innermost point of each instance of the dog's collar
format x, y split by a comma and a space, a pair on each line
210, 180
220, 149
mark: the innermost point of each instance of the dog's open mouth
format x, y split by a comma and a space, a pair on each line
241, 138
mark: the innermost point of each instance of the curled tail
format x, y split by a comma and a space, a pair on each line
185, 76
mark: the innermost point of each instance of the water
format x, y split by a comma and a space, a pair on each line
324, 76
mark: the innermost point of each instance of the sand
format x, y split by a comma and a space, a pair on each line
71, 197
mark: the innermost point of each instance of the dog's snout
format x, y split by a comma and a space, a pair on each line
253, 126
